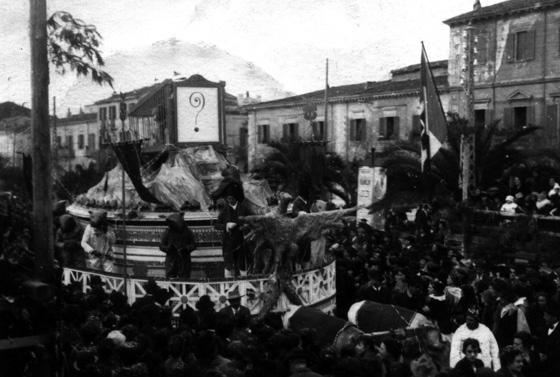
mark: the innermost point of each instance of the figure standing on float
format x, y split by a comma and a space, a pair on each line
177, 242
232, 206
98, 241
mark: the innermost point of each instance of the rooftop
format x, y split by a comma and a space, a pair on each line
441, 64
347, 92
77, 119
502, 10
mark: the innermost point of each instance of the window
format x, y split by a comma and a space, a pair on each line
112, 112
263, 136
290, 131
102, 113
319, 128
58, 141
81, 141
91, 142
112, 116
243, 136
357, 130
69, 142
389, 128
479, 117
520, 117
521, 46
416, 131
481, 54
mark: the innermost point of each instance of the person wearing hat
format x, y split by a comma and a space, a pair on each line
177, 242
552, 340
67, 242
472, 328
509, 207
98, 241
233, 245
239, 314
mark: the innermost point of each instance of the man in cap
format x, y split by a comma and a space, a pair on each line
472, 328
177, 242
233, 244
240, 315
98, 241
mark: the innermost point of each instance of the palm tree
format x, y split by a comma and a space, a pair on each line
494, 159
304, 168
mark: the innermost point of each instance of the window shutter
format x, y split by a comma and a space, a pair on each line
296, 131
482, 47
530, 115
510, 48
352, 130
551, 123
362, 129
285, 131
508, 117
396, 132
530, 46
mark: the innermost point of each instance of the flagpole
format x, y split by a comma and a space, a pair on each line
122, 107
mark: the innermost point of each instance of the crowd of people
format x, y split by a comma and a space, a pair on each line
488, 319
532, 194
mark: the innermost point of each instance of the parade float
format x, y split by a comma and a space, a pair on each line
170, 160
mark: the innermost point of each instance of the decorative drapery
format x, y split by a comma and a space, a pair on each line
128, 153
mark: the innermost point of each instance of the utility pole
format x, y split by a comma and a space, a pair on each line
41, 142
325, 123
55, 141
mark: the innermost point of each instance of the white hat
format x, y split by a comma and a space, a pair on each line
117, 337
509, 198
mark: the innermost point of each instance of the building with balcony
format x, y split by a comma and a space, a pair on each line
76, 140
517, 66
359, 116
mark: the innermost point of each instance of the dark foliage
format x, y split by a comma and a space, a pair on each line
308, 170
74, 45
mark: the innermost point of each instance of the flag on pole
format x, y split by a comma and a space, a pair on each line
432, 118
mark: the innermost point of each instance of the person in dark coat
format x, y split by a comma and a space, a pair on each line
177, 242
552, 340
230, 185
374, 289
234, 249
470, 365
239, 314
68, 242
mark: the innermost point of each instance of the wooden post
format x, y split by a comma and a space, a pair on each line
55, 141
41, 142
325, 123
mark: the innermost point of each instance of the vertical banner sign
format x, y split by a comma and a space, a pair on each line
365, 194
372, 185
379, 190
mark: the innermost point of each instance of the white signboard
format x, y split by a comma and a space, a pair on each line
198, 119
372, 186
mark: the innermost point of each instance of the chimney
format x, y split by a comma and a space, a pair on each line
247, 94
68, 113
476, 5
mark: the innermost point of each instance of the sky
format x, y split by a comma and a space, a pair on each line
289, 39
